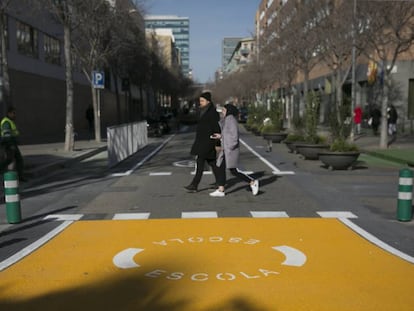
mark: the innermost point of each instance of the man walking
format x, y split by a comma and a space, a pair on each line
9, 140
204, 146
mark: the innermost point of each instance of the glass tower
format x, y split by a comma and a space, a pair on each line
228, 46
180, 27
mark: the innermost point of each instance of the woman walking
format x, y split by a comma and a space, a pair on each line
229, 154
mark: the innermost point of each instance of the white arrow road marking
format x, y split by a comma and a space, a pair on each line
293, 256
125, 259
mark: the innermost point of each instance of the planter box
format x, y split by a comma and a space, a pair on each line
275, 137
338, 160
311, 151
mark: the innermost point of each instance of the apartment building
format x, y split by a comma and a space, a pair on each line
242, 55
279, 12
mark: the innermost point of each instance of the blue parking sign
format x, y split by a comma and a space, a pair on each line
98, 79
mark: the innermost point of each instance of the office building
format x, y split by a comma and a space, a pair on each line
227, 49
180, 27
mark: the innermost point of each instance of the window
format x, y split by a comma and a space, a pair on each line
26, 39
52, 50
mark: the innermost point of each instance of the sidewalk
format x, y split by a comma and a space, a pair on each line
401, 151
41, 159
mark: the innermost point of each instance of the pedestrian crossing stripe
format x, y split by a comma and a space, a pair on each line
207, 214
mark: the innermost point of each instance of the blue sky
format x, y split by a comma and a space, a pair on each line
210, 22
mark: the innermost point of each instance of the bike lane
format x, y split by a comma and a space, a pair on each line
209, 264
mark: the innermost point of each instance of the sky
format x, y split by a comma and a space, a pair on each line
210, 22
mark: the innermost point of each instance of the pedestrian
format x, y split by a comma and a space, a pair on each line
9, 141
229, 154
358, 118
392, 117
204, 148
375, 119
90, 118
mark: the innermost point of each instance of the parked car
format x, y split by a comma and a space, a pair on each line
157, 127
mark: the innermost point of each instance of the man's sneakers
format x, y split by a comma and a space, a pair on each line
191, 188
217, 194
255, 187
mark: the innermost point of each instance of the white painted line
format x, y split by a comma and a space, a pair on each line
204, 173
160, 174
405, 195
199, 215
32, 247
128, 216
140, 163
64, 217
269, 214
337, 215
274, 169
371, 238
404, 181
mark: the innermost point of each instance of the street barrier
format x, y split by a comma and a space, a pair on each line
12, 198
124, 140
405, 194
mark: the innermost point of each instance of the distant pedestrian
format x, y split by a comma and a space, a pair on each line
90, 118
358, 118
204, 148
229, 154
9, 141
375, 119
392, 117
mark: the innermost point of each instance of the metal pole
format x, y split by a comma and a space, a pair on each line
353, 104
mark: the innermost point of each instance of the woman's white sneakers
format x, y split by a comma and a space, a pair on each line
255, 187
217, 194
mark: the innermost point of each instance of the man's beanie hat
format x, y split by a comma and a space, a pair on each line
206, 95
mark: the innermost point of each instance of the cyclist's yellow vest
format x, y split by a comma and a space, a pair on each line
12, 132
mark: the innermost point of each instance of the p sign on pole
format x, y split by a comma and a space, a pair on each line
98, 79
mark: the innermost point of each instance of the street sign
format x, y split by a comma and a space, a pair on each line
98, 79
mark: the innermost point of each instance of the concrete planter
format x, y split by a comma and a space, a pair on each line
275, 137
337, 160
310, 151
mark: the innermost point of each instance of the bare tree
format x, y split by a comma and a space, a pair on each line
92, 44
63, 11
4, 65
389, 32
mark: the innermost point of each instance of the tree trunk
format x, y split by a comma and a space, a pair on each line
69, 129
4, 64
384, 106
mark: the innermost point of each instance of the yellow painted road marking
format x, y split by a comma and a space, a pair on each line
209, 264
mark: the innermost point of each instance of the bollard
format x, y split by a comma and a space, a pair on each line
11, 192
405, 194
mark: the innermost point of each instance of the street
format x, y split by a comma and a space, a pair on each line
132, 238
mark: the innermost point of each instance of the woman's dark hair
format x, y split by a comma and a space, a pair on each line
231, 110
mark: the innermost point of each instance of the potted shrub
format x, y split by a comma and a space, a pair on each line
341, 155
292, 139
272, 128
313, 143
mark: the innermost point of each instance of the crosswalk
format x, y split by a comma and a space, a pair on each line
204, 214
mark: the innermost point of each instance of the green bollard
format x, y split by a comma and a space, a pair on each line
11, 192
405, 194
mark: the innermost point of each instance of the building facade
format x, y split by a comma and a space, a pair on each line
272, 12
180, 27
228, 46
